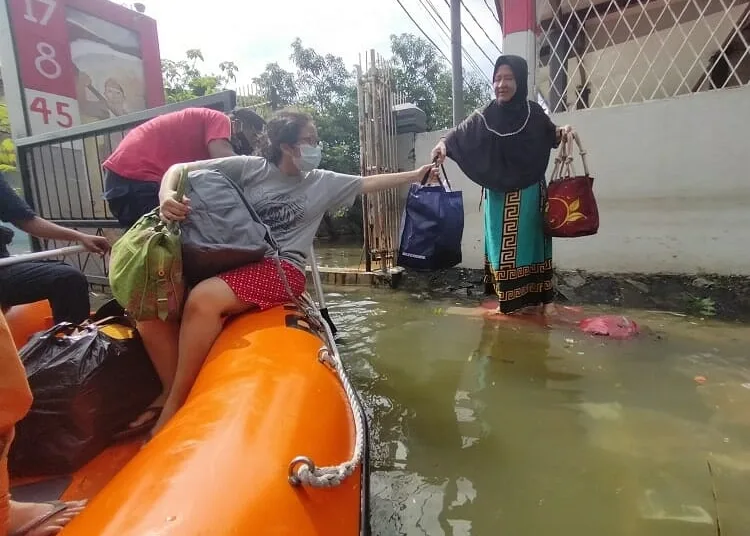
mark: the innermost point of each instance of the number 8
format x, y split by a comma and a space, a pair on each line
47, 55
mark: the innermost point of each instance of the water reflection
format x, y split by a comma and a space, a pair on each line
486, 427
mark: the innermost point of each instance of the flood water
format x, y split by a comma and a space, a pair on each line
484, 427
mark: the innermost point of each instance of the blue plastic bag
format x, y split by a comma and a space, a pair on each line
432, 227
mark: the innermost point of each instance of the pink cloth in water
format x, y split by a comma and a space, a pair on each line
616, 327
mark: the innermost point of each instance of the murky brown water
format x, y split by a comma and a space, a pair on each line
484, 427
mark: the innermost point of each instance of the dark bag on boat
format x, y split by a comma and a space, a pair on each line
223, 231
570, 209
89, 382
432, 227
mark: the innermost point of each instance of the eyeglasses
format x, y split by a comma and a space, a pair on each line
309, 141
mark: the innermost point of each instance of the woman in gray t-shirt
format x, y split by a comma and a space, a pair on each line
291, 195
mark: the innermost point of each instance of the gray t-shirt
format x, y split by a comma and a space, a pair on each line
292, 206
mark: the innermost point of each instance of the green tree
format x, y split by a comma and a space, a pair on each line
183, 79
424, 77
322, 85
329, 92
277, 87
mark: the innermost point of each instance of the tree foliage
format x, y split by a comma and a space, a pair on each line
7, 149
426, 79
184, 80
322, 85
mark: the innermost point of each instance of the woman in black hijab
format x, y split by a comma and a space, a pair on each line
505, 148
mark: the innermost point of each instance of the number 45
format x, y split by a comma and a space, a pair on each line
46, 16
39, 105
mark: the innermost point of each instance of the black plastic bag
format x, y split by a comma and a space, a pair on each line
89, 382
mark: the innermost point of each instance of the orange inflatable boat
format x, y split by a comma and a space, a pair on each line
271, 441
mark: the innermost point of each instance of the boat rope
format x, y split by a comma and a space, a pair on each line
302, 469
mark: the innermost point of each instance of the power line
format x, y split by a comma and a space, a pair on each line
423, 32
494, 15
447, 3
480, 27
477, 70
447, 33
472, 62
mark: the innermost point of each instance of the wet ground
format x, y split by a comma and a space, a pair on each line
482, 427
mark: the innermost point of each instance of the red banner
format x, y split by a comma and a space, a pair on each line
84, 60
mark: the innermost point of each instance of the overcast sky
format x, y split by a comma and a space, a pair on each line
252, 33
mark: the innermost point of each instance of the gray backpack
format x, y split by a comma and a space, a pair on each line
223, 231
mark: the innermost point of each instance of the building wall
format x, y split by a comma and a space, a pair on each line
672, 183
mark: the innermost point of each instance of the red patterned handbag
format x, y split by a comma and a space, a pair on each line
570, 209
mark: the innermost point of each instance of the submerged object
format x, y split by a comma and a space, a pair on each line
614, 326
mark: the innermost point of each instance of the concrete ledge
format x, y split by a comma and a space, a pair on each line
359, 278
700, 295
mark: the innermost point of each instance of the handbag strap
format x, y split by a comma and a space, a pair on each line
564, 166
561, 160
442, 168
582, 152
423, 182
181, 184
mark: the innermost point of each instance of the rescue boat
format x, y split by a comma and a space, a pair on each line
271, 441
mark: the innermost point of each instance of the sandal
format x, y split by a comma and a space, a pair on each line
58, 507
153, 412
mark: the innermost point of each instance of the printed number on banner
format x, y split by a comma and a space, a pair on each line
43, 9
63, 118
45, 62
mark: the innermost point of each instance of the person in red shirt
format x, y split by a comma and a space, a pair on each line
133, 172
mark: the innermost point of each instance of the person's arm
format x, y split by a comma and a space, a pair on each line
220, 149
41, 228
15, 210
175, 210
376, 183
217, 130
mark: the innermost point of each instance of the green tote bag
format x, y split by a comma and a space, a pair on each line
145, 268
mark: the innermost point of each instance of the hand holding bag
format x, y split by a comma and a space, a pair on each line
145, 267
570, 209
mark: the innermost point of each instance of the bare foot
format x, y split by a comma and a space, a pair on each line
149, 414
42, 519
496, 314
170, 408
549, 309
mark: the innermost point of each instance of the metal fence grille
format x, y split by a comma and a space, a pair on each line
63, 180
595, 53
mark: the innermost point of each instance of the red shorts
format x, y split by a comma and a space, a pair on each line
260, 284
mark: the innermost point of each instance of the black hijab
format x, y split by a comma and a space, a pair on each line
504, 163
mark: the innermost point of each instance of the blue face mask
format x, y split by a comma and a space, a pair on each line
309, 159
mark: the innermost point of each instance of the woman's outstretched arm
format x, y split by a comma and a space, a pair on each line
375, 183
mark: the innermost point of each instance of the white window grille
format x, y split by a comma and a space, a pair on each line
599, 53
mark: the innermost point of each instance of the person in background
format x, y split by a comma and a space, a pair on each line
115, 96
96, 108
134, 170
505, 148
63, 285
20, 518
290, 195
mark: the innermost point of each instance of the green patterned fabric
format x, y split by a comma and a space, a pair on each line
145, 268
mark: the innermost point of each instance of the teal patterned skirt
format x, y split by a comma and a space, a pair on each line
518, 254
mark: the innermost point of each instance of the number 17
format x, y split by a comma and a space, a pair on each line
29, 16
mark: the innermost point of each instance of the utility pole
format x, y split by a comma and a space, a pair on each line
458, 77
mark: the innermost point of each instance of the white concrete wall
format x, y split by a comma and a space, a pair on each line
672, 183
